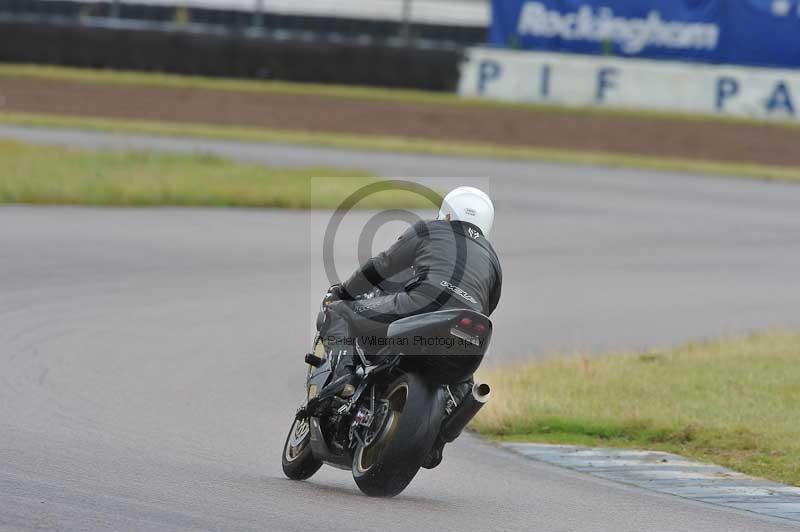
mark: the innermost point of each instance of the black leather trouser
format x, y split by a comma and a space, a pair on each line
349, 320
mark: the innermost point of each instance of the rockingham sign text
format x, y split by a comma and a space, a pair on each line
601, 25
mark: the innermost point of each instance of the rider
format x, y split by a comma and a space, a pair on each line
451, 263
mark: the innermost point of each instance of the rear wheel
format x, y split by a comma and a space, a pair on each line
298, 461
392, 448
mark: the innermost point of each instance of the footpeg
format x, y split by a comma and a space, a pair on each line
464, 412
313, 360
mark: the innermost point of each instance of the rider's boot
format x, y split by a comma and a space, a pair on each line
436, 454
434, 457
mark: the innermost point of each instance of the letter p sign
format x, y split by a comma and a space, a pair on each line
488, 70
726, 88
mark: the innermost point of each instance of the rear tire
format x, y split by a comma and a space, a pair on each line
298, 461
387, 464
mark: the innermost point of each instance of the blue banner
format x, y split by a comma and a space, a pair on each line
743, 32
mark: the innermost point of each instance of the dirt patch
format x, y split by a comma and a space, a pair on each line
767, 144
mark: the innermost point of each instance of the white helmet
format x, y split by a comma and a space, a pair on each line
469, 204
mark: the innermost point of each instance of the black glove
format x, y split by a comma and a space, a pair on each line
331, 296
336, 293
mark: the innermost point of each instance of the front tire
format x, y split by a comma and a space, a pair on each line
385, 464
298, 461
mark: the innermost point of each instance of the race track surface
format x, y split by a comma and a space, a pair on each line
152, 358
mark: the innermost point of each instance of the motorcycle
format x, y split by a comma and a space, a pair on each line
412, 395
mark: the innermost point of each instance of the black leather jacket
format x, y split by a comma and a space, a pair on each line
450, 262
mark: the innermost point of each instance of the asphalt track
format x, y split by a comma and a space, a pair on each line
150, 358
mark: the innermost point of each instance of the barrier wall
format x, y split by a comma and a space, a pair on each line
576, 80
320, 20
230, 56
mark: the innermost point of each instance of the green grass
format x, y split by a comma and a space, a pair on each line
408, 145
43, 175
732, 402
145, 79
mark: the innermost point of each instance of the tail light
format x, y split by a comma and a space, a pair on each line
467, 323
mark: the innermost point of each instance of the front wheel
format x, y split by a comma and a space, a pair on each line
405, 425
298, 461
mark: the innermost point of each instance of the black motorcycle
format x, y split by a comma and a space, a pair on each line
413, 394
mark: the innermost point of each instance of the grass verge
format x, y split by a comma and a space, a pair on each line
43, 175
406, 145
148, 79
732, 402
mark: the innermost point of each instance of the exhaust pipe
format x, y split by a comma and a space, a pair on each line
464, 412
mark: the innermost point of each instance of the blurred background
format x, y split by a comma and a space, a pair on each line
422, 44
